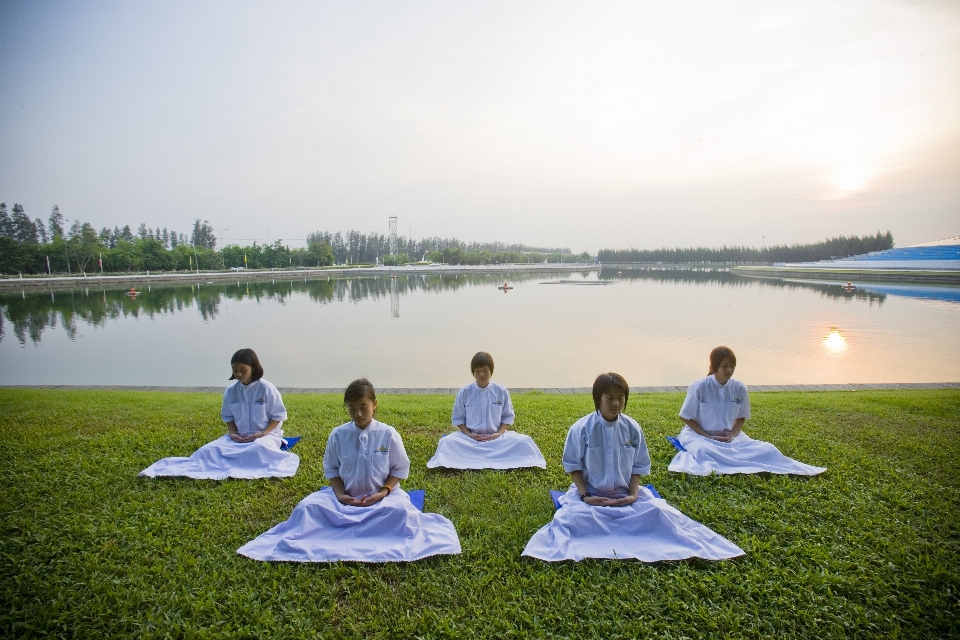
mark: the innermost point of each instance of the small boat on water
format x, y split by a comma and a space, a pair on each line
505, 287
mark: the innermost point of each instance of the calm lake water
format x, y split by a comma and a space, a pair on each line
555, 330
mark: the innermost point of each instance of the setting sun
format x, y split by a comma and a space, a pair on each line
850, 177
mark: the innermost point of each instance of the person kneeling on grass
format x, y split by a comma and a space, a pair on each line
606, 513
253, 447
366, 516
483, 413
713, 440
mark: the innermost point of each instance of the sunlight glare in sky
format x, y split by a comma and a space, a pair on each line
850, 177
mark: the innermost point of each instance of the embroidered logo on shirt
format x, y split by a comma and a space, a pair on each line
383, 450
630, 443
736, 400
498, 403
260, 401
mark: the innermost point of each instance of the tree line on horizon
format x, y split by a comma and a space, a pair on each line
34, 247
828, 249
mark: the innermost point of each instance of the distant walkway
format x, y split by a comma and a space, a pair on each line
894, 386
259, 275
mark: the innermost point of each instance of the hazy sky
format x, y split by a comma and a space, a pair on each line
581, 124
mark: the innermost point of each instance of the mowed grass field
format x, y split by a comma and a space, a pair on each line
90, 550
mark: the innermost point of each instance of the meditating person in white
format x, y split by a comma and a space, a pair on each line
606, 513
366, 516
713, 440
483, 413
254, 413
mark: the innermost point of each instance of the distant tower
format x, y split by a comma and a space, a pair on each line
393, 235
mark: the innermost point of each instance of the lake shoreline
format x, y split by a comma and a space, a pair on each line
209, 277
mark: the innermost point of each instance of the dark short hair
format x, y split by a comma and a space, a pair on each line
249, 358
717, 356
482, 359
359, 389
607, 381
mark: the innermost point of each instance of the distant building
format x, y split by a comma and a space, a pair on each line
941, 255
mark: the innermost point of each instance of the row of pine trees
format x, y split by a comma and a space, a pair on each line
829, 249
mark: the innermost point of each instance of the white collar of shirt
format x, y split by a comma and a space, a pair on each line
716, 382
604, 421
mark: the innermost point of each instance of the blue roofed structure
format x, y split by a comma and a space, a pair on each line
942, 255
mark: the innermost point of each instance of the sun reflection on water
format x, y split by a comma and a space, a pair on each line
835, 342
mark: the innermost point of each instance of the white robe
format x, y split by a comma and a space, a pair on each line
321, 529
482, 410
715, 407
510, 450
649, 530
224, 458
609, 454
743, 454
251, 407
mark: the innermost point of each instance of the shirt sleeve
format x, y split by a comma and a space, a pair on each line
399, 462
226, 414
573, 449
459, 410
331, 457
691, 403
744, 405
506, 417
641, 459
275, 408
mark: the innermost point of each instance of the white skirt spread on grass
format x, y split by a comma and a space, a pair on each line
321, 529
224, 458
743, 454
649, 530
511, 450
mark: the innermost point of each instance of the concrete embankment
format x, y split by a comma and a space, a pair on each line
849, 275
204, 277
915, 276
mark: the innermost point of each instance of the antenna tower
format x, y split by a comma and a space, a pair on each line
393, 235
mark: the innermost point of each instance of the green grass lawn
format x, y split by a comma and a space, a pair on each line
869, 549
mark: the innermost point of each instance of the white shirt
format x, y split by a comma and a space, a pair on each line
716, 406
253, 406
364, 458
483, 409
607, 453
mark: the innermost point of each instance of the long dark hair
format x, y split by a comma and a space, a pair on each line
249, 358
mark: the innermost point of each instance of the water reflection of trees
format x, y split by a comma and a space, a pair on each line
714, 277
29, 315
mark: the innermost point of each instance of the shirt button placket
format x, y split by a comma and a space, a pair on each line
362, 458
